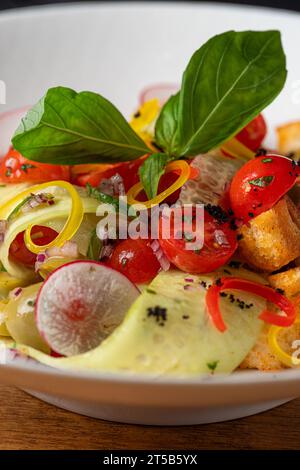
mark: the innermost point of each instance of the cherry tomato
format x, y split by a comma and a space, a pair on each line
20, 253
254, 133
219, 244
14, 168
136, 260
260, 183
127, 170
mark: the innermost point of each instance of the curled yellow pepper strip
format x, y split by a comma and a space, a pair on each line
181, 180
71, 226
238, 150
282, 355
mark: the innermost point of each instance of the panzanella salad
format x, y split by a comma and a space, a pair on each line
169, 244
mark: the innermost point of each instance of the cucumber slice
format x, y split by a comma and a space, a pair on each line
20, 321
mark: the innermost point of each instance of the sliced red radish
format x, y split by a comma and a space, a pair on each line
80, 304
161, 91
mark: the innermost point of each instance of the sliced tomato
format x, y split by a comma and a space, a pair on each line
20, 253
136, 260
260, 183
254, 133
14, 168
219, 244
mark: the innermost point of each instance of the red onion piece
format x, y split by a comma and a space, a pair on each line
161, 91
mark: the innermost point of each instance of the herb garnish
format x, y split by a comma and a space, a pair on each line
267, 160
212, 365
262, 182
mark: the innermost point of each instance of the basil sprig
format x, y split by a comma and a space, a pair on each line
227, 83
71, 128
151, 171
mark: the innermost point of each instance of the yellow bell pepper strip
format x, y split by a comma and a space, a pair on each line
238, 150
73, 222
283, 356
181, 165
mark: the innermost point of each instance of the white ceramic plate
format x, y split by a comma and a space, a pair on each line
117, 50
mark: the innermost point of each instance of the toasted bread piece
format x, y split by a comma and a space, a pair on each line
289, 138
272, 239
288, 281
261, 357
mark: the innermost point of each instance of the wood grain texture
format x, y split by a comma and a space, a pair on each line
27, 423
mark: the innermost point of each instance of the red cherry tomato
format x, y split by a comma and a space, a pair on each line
136, 260
260, 183
14, 168
253, 134
127, 170
20, 253
219, 245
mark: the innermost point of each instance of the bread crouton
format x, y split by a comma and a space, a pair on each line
289, 138
260, 357
288, 281
272, 239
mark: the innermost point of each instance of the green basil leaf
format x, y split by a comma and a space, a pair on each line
166, 126
94, 247
228, 82
69, 128
262, 182
151, 171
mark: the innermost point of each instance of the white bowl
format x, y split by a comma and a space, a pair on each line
117, 50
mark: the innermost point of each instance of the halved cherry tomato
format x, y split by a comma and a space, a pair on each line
254, 133
219, 244
136, 260
260, 183
20, 253
14, 168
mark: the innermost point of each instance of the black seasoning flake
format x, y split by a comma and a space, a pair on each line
235, 264
239, 237
223, 294
261, 152
279, 291
233, 225
218, 282
185, 317
159, 313
251, 214
227, 272
137, 114
217, 213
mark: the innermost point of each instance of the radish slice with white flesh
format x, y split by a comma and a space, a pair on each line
161, 91
80, 304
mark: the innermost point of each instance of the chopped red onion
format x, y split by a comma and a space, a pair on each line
161, 257
106, 186
15, 293
221, 238
68, 250
36, 200
189, 279
118, 185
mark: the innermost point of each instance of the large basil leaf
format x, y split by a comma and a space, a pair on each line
166, 126
228, 82
66, 127
151, 171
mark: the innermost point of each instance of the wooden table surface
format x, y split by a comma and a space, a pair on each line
27, 423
